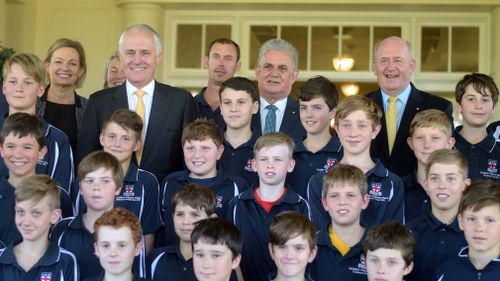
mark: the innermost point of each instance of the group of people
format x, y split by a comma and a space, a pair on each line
261, 187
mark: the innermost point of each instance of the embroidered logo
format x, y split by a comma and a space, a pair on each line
492, 166
129, 191
46, 276
330, 162
376, 187
361, 267
219, 201
248, 167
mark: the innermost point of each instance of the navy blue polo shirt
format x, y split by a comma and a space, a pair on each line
101, 278
225, 186
308, 163
253, 221
169, 264
436, 243
329, 261
56, 264
460, 268
494, 128
273, 276
238, 161
206, 111
416, 199
483, 157
386, 192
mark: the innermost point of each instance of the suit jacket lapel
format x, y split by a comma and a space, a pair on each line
411, 108
120, 99
289, 117
382, 137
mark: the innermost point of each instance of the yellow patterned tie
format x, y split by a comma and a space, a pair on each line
140, 111
391, 122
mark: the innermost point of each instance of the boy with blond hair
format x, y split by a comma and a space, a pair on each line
436, 231
430, 130
253, 210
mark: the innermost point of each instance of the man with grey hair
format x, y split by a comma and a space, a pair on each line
164, 109
276, 71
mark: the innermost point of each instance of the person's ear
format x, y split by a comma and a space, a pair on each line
42, 152
312, 254
236, 261
408, 269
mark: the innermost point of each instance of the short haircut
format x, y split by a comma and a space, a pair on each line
432, 118
30, 64
391, 235
225, 41
342, 174
480, 194
218, 231
354, 103
37, 187
480, 82
202, 129
274, 139
290, 224
73, 44
319, 87
450, 157
114, 55
101, 159
127, 120
279, 45
118, 218
196, 196
22, 124
145, 28
409, 48
239, 83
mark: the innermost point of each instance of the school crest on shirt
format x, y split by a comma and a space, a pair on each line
376, 193
376, 187
492, 166
219, 201
330, 162
248, 166
46, 276
129, 191
360, 268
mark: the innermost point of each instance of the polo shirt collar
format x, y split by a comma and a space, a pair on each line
50, 257
324, 240
249, 143
436, 224
487, 144
378, 170
132, 174
77, 223
6, 189
333, 145
183, 177
289, 198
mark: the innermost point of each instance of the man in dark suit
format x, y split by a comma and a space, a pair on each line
393, 65
165, 109
276, 71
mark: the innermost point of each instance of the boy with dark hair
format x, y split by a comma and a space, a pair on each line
202, 146
389, 249
34, 258
479, 218
477, 95
320, 149
239, 102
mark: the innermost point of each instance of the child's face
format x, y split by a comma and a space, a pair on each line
426, 140
292, 258
344, 204
356, 132
184, 219
315, 115
20, 89
20, 155
237, 108
116, 249
201, 157
482, 229
444, 185
33, 220
119, 141
386, 264
98, 190
213, 262
272, 164
476, 109
64, 67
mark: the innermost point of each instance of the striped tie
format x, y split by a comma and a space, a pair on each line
270, 122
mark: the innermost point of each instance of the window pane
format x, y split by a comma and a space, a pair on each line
259, 35
216, 31
381, 32
465, 49
297, 35
354, 43
188, 46
324, 45
434, 49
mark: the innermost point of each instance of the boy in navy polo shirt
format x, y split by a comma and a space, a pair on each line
253, 210
357, 122
202, 146
388, 249
35, 258
436, 231
239, 102
429, 130
25, 81
118, 236
319, 150
190, 204
340, 250
477, 95
479, 218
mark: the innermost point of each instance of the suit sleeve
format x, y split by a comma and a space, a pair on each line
88, 137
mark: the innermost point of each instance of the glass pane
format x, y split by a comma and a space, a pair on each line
465, 49
434, 49
381, 32
259, 35
188, 46
215, 32
324, 45
355, 41
297, 35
